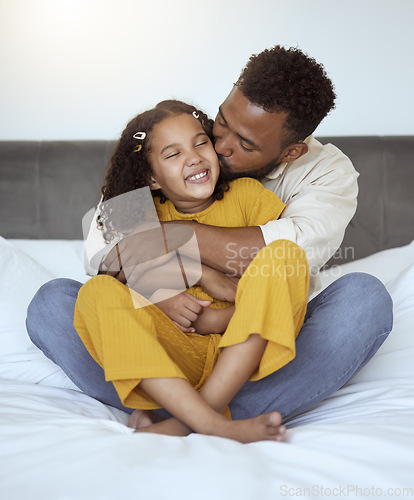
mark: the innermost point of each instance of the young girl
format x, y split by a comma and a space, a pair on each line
150, 360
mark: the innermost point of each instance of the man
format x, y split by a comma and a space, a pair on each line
263, 130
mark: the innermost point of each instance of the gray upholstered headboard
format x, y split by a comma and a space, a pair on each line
385, 214
47, 187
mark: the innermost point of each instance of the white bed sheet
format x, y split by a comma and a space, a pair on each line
57, 443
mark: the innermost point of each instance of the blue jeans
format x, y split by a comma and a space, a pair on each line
344, 327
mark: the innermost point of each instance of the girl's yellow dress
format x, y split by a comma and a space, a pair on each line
132, 343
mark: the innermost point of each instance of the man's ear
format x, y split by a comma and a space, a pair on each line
154, 184
293, 152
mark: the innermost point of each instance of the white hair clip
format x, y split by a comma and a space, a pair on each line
196, 116
140, 136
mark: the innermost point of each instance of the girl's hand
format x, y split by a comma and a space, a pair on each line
218, 285
213, 320
182, 308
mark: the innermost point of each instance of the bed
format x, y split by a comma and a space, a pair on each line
57, 443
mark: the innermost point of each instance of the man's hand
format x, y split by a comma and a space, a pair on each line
182, 308
149, 260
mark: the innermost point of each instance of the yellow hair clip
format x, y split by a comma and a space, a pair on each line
138, 148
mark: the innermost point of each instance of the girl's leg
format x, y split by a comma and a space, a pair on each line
132, 343
203, 413
271, 301
286, 282
127, 343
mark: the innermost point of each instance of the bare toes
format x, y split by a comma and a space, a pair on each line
139, 419
274, 419
274, 429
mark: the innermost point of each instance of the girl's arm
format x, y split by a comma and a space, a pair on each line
217, 284
191, 314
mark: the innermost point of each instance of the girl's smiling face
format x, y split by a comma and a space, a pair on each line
184, 164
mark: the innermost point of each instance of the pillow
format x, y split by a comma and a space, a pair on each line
394, 359
385, 265
62, 258
20, 278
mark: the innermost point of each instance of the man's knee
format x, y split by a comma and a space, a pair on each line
52, 302
363, 286
370, 297
52, 293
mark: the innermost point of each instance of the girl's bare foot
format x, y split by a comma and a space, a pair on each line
168, 427
143, 418
261, 428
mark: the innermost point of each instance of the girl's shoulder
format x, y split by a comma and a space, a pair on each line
246, 183
165, 211
245, 188
258, 204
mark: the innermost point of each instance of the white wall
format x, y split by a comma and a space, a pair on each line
80, 69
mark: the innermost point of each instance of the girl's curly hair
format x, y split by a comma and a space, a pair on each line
287, 80
131, 170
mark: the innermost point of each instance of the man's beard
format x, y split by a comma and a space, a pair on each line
257, 173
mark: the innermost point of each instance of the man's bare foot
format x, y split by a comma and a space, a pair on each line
143, 418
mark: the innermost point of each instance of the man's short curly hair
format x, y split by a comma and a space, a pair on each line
287, 80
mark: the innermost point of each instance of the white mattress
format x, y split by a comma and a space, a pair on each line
57, 443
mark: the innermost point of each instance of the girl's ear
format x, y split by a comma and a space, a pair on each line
154, 184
